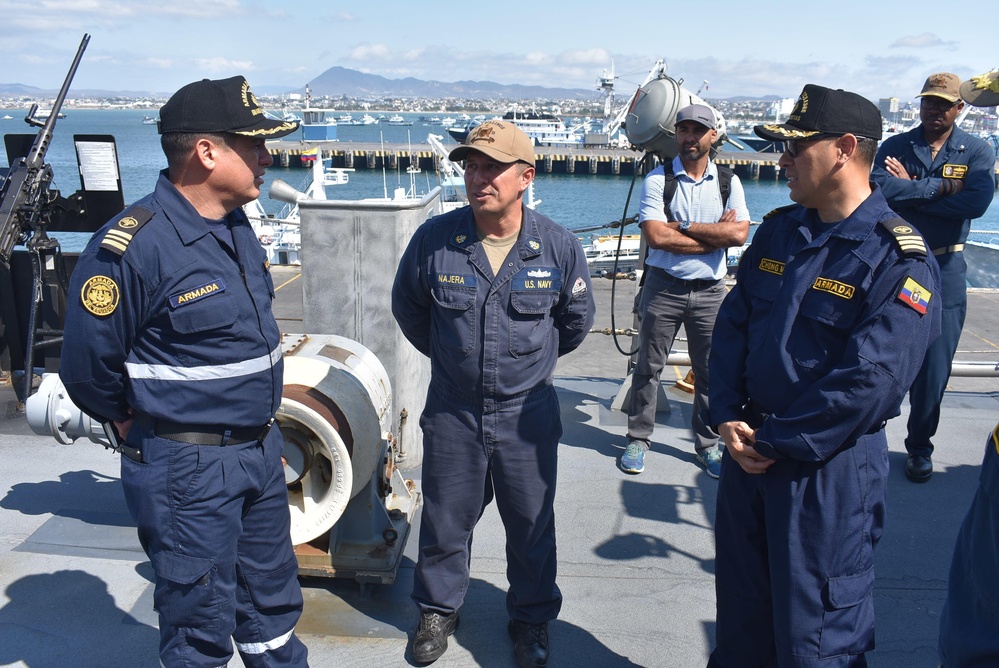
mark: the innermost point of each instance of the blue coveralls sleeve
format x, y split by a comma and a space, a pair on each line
868, 383
411, 294
92, 363
574, 311
730, 348
971, 202
979, 187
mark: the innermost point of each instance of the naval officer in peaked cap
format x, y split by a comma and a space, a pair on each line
170, 339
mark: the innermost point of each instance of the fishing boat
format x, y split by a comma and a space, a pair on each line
149, 120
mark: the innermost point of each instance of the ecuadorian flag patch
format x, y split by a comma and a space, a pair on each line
914, 295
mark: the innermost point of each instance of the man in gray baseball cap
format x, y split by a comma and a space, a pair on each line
688, 220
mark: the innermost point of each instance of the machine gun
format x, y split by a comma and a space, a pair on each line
25, 210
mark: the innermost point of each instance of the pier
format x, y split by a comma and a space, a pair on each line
549, 159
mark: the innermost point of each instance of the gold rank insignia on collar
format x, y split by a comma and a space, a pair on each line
534, 245
121, 233
909, 240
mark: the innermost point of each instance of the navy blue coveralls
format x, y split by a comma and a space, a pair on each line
491, 423
944, 223
969, 623
814, 348
178, 327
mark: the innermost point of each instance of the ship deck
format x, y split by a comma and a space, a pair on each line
636, 553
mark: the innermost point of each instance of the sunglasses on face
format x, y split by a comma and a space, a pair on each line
936, 104
791, 145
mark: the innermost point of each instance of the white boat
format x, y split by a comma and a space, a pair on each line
603, 253
317, 124
280, 235
398, 120
8, 117
149, 120
368, 119
290, 117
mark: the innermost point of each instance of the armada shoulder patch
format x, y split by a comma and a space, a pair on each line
779, 210
100, 295
909, 241
120, 235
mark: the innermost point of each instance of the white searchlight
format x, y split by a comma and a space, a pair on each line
651, 120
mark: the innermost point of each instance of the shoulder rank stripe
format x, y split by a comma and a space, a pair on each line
778, 211
909, 241
120, 235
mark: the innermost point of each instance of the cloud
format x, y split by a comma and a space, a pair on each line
365, 53
926, 40
219, 64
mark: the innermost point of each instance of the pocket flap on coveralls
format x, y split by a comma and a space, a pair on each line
459, 299
181, 568
847, 591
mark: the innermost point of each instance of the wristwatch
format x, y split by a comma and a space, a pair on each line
684, 225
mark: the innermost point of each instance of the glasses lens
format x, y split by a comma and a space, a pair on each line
791, 147
936, 104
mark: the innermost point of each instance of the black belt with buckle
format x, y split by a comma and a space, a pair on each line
686, 283
200, 434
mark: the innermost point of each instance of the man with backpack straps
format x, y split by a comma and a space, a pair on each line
688, 219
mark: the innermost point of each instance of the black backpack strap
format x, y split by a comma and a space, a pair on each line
669, 189
725, 175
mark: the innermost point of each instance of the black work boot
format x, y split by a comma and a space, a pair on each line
430, 641
530, 643
918, 468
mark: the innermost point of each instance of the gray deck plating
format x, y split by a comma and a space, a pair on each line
636, 553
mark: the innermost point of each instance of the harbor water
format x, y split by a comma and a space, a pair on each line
579, 201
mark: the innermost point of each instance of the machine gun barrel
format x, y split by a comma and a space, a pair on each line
24, 192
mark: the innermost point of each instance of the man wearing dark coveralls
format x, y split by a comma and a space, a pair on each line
683, 283
969, 622
938, 177
170, 336
493, 293
834, 305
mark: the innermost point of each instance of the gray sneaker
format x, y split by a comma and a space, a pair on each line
633, 459
711, 460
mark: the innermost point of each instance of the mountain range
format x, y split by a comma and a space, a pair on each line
341, 81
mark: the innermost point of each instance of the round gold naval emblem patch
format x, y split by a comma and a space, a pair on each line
100, 295
902, 229
127, 223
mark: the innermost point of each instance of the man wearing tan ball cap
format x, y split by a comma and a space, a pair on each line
938, 178
493, 293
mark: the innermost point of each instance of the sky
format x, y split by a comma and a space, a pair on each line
740, 48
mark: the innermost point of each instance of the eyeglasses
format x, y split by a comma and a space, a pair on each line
937, 104
791, 145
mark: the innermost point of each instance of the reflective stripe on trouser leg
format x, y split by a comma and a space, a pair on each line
268, 595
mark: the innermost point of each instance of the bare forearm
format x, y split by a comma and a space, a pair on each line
721, 234
668, 237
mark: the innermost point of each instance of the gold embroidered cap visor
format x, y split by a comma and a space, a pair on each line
825, 111
982, 91
501, 141
223, 105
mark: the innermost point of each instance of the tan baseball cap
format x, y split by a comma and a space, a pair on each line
501, 141
942, 84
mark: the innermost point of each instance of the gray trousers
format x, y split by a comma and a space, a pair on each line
665, 304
